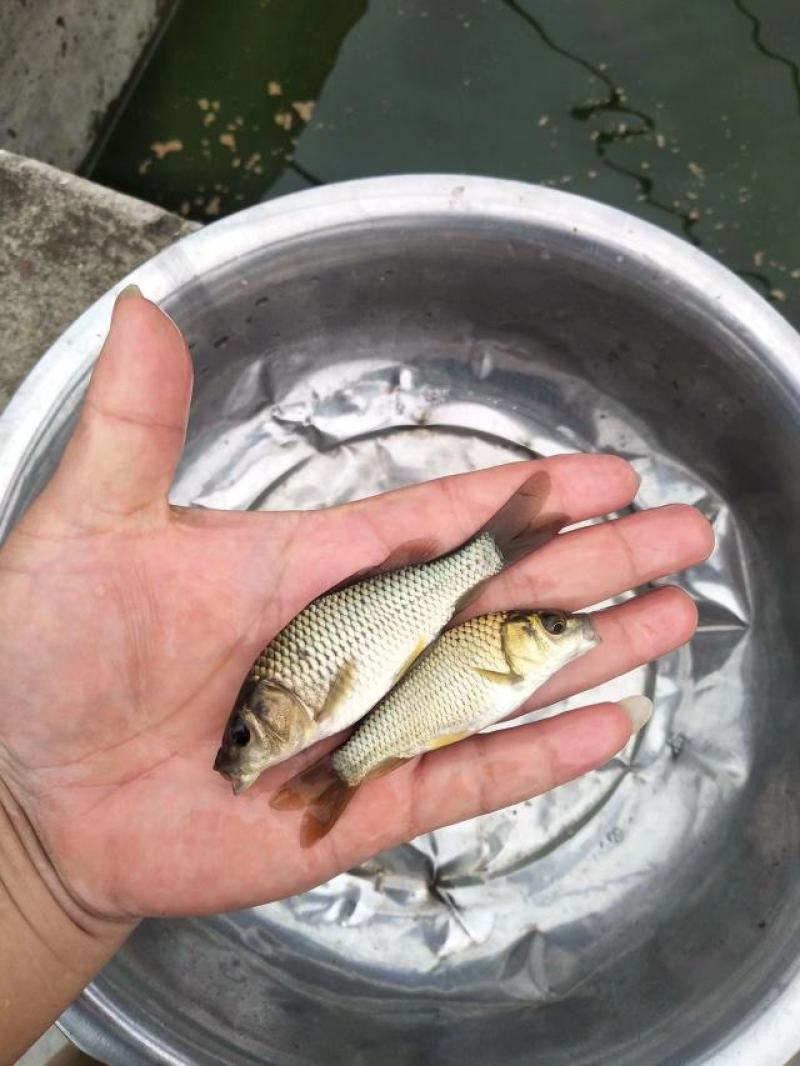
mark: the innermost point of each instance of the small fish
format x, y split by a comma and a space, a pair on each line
474, 675
339, 656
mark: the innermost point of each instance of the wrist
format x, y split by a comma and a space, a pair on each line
50, 945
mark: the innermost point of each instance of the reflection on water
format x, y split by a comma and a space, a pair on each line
685, 114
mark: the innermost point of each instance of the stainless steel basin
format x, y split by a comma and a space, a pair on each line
360, 336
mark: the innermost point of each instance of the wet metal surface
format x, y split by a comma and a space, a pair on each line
362, 337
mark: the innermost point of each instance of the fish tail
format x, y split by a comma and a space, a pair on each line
323, 815
306, 787
520, 526
322, 793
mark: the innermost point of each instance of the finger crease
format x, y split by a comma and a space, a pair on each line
135, 420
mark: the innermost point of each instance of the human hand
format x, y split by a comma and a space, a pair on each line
127, 627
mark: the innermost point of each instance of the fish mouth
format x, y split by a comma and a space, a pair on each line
221, 764
239, 781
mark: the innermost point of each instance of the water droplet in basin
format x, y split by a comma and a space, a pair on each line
482, 365
405, 379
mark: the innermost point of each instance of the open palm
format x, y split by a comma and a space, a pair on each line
127, 626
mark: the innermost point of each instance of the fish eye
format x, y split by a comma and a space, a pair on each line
240, 734
554, 623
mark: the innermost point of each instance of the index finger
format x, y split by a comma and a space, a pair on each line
437, 516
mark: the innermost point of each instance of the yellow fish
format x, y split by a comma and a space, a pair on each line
475, 674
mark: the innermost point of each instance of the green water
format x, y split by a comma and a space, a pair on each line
684, 112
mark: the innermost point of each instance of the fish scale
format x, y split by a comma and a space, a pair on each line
445, 691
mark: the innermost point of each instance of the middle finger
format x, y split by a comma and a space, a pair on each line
594, 563
631, 634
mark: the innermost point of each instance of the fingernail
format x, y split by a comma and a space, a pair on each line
128, 291
639, 710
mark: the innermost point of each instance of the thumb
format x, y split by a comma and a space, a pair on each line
122, 456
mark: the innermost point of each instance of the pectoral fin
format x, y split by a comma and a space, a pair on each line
443, 742
341, 687
422, 644
496, 677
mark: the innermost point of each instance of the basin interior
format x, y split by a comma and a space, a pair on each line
640, 915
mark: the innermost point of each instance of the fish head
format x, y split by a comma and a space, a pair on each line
531, 638
267, 725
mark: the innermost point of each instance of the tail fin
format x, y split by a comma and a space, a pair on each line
324, 795
519, 526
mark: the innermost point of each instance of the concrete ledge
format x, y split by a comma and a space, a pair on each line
62, 64
64, 241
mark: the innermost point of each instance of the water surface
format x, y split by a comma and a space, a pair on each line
684, 113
